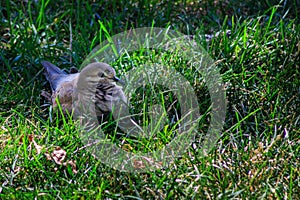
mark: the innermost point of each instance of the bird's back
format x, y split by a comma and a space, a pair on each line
62, 85
55, 76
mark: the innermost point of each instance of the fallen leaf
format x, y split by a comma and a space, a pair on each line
58, 155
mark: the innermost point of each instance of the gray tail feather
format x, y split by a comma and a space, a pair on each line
53, 73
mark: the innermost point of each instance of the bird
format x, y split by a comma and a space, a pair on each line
93, 90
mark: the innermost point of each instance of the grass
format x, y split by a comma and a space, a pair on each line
258, 153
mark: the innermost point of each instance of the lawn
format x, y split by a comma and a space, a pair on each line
255, 156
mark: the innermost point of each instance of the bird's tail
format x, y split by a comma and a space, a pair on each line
53, 74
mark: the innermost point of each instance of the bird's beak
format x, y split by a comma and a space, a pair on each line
119, 80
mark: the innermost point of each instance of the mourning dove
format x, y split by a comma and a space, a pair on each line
93, 89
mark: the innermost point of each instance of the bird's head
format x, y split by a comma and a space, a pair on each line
96, 74
99, 72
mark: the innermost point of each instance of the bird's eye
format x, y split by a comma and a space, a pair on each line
100, 74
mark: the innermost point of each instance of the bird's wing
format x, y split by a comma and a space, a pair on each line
53, 74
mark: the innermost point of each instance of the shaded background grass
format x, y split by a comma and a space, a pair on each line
258, 154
